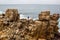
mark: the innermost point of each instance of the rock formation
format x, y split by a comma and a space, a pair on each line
14, 28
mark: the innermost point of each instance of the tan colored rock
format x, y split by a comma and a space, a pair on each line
53, 23
45, 15
45, 12
12, 14
13, 28
55, 16
41, 39
2, 16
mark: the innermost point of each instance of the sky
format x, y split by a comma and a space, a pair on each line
29, 1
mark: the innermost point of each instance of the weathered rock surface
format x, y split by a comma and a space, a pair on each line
14, 28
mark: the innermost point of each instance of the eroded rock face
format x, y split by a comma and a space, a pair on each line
13, 28
44, 15
51, 26
55, 16
12, 14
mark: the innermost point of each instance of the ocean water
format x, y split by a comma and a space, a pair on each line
31, 10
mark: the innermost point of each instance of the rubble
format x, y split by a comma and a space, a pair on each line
14, 28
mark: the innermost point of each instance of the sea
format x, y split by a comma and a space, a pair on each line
31, 10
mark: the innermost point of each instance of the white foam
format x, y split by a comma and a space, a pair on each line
1, 12
22, 16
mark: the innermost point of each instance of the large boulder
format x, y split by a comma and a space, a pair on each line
12, 14
55, 16
44, 15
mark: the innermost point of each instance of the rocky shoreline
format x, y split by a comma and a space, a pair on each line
14, 28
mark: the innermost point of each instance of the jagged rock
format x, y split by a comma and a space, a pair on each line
45, 15
13, 28
2, 16
55, 16
41, 39
12, 14
53, 23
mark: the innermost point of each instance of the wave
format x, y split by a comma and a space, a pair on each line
22, 16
